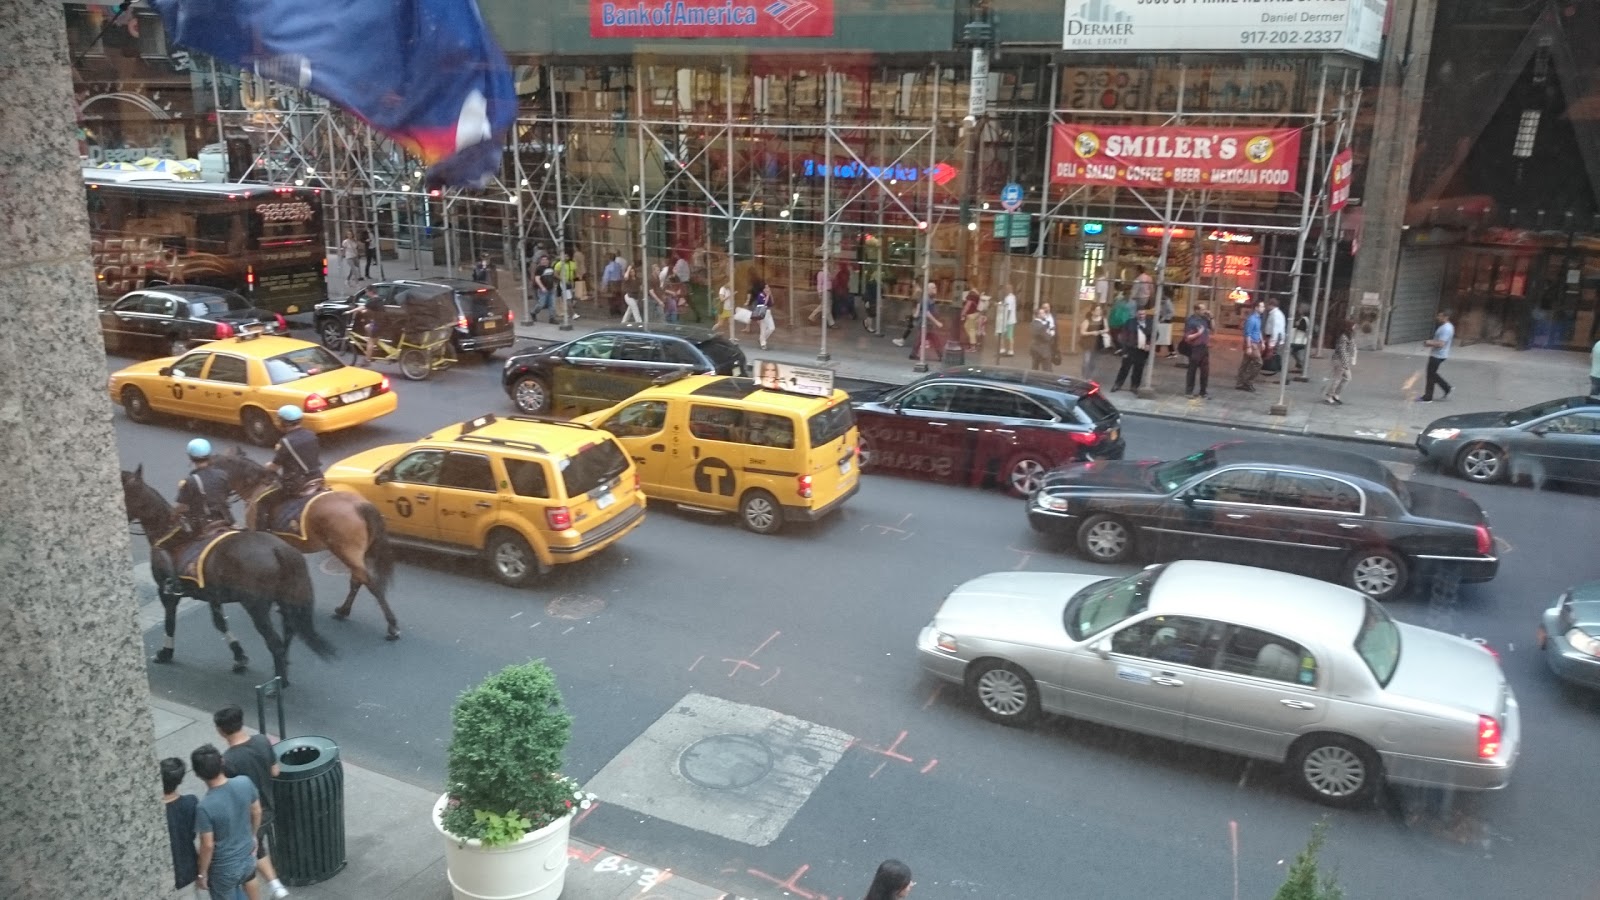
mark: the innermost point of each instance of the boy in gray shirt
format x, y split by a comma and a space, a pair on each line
226, 821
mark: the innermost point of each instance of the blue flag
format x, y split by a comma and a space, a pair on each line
427, 73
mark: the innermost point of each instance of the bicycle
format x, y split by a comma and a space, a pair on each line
419, 354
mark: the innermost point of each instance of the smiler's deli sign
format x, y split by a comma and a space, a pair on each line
710, 19
1219, 159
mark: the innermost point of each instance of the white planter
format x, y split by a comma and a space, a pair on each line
534, 868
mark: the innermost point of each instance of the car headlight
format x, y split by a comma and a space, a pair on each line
1583, 642
1052, 502
945, 642
1444, 434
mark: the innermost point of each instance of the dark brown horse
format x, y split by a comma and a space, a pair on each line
338, 521
252, 569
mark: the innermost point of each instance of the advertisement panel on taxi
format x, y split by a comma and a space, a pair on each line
710, 19
1217, 159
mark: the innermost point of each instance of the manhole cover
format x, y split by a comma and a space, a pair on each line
582, 606
725, 762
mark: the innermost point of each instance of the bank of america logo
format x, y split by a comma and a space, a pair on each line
791, 13
1101, 11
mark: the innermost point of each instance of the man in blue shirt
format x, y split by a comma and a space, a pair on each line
1443, 337
227, 819
1250, 364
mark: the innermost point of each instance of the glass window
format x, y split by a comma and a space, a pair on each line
1169, 639
1237, 486
231, 369
1247, 651
467, 471
301, 363
1315, 492
929, 397
716, 423
638, 419
419, 467
831, 424
1105, 603
724, 355
219, 305
160, 306
768, 430
481, 303
528, 478
639, 349
1097, 407
1543, 409
1169, 475
597, 464
596, 346
191, 366
996, 403
1378, 643
680, 354
131, 303
1573, 423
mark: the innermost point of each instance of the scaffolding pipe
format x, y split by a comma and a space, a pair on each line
1312, 186
733, 270
924, 308
825, 298
1044, 197
1145, 387
644, 216
553, 148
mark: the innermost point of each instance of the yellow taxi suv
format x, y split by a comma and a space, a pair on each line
242, 380
525, 494
728, 445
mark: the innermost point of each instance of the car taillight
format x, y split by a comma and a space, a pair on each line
559, 517
1485, 540
1094, 388
637, 484
314, 403
283, 324
224, 330
511, 316
461, 322
250, 277
803, 486
1086, 438
383, 386
1488, 737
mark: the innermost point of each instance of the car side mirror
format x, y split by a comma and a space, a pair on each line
164, 371
1102, 647
1539, 431
1188, 497
383, 477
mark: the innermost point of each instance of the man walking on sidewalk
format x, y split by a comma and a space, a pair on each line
251, 755
227, 819
1197, 341
1250, 362
1443, 337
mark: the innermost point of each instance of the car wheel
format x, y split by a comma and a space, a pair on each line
1376, 572
1024, 474
511, 561
1335, 770
1004, 693
531, 395
1105, 538
330, 332
258, 428
136, 405
177, 346
759, 511
865, 450
1483, 463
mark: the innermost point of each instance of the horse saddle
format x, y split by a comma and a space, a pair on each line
189, 557
288, 515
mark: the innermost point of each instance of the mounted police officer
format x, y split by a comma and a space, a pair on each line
297, 461
202, 502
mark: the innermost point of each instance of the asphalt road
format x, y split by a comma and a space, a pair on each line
818, 624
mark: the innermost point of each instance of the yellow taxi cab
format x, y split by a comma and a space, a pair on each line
245, 379
521, 492
724, 444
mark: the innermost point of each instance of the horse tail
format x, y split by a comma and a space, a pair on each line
296, 599
380, 554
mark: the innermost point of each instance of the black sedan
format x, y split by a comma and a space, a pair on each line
606, 367
172, 319
1327, 513
972, 426
1558, 440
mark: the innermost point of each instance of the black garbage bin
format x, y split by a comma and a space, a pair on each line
308, 807
954, 354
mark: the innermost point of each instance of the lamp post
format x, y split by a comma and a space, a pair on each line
979, 35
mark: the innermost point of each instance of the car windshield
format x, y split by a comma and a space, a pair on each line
301, 363
831, 424
594, 465
1540, 410
724, 355
481, 303
1169, 475
1378, 643
1097, 407
1105, 603
217, 305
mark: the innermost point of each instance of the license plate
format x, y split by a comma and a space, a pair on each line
353, 396
844, 466
490, 325
604, 499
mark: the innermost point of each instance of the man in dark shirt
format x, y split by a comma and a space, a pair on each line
226, 821
251, 755
180, 826
1196, 341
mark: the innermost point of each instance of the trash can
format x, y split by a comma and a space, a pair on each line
308, 811
954, 355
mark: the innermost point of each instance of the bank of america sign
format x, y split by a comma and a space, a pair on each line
1261, 26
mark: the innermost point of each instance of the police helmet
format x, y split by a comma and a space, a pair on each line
199, 448
289, 413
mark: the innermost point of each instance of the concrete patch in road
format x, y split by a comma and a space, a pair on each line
736, 771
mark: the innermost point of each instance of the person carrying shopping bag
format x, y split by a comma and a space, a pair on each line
761, 312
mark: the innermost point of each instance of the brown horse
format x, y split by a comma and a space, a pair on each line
338, 521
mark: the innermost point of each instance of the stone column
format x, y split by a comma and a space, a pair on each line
80, 810
1387, 192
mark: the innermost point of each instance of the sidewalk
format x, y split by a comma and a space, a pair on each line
392, 849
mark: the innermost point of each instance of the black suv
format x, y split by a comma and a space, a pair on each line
606, 367
483, 323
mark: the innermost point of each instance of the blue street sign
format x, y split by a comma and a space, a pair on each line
1011, 197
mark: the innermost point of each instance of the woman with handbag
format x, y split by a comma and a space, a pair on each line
632, 293
1096, 336
761, 311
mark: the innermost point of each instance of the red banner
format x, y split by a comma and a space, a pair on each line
710, 19
1344, 164
1214, 159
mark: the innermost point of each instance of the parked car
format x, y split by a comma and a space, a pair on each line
1328, 513
484, 323
1267, 665
973, 426
605, 367
1558, 440
1569, 635
173, 319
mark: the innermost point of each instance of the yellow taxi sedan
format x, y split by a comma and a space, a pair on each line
245, 379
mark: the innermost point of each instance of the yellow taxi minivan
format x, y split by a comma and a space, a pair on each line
724, 444
523, 493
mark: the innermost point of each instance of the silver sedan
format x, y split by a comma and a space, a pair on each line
1265, 664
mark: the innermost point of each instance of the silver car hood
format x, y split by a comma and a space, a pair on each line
1015, 607
1448, 671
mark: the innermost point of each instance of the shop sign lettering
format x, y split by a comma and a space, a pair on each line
1235, 159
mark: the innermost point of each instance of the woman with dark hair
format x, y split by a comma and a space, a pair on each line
892, 882
1344, 360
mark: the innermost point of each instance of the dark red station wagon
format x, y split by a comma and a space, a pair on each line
981, 426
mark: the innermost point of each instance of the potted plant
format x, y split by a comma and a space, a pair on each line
507, 810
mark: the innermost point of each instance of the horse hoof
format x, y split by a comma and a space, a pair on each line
162, 656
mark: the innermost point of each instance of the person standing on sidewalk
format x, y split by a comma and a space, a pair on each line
1299, 340
1594, 370
1143, 293
1197, 341
226, 821
251, 755
1136, 341
351, 252
370, 242
611, 284
544, 289
1005, 323
1096, 337
1344, 361
1443, 337
180, 829
892, 881
1274, 329
1165, 313
824, 287
566, 282
1250, 359
1043, 347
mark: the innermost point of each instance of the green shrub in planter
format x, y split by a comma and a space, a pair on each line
507, 742
1305, 882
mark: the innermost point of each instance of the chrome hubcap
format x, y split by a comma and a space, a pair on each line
1002, 692
759, 513
1027, 475
1481, 464
1107, 539
1334, 771
1376, 575
511, 561
530, 396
